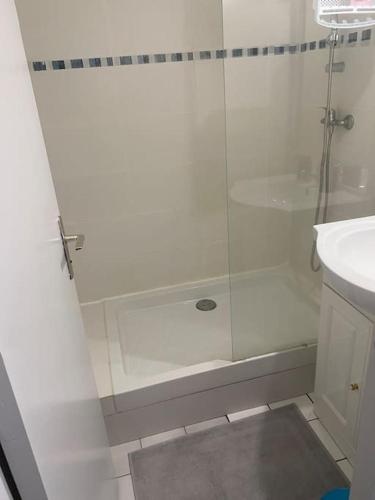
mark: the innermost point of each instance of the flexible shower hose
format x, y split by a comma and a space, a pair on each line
324, 173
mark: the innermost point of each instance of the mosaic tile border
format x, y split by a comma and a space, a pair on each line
348, 39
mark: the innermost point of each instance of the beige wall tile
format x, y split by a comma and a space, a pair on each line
68, 29
253, 24
143, 26
138, 159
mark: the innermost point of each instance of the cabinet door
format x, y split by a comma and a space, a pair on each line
344, 345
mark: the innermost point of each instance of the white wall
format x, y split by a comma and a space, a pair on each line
137, 154
55, 29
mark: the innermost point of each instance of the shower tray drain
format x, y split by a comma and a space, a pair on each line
206, 305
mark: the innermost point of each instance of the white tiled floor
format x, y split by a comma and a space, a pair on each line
163, 436
120, 453
232, 417
303, 403
126, 491
120, 456
326, 439
347, 468
201, 426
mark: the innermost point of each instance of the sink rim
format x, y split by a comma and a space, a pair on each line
327, 234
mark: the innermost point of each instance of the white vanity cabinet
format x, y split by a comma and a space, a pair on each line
345, 338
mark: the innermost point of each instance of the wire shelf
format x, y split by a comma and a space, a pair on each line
347, 14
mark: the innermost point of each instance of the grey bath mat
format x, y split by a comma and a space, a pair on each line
271, 456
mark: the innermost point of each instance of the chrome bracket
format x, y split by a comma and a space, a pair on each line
79, 240
337, 67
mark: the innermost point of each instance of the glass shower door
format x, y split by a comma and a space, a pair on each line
271, 193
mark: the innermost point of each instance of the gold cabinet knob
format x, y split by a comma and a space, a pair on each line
354, 387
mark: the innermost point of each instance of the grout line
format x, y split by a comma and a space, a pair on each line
334, 440
123, 475
309, 398
227, 417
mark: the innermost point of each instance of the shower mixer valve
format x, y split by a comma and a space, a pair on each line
347, 122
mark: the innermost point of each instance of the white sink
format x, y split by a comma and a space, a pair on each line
347, 252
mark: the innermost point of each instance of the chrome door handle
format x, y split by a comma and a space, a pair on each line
79, 240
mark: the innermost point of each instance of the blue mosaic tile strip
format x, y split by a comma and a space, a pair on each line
221, 54
39, 66
348, 39
253, 52
124, 60
177, 57
322, 44
76, 63
58, 64
366, 35
205, 54
237, 52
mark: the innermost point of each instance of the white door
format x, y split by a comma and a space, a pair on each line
344, 346
41, 333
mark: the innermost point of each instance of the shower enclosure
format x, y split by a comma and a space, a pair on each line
185, 140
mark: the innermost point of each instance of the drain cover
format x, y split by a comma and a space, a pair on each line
206, 305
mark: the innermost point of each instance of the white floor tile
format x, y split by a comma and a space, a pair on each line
120, 456
232, 417
347, 468
163, 436
126, 491
303, 403
326, 440
207, 424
